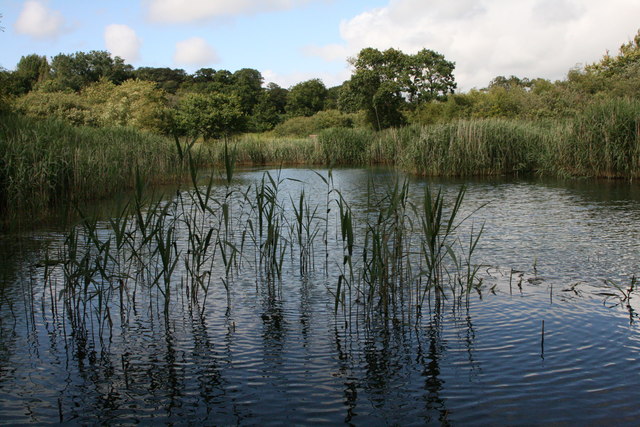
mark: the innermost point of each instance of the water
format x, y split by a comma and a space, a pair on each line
544, 340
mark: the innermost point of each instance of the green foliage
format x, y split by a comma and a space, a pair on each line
47, 163
373, 91
385, 82
306, 98
628, 56
305, 126
604, 141
6, 79
270, 109
345, 146
457, 106
247, 86
213, 115
134, 103
208, 80
167, 79
75, 71
70, 107
428, 76
31, 69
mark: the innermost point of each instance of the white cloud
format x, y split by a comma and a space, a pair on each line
122, 41
194, 51
527, 38
179, 11
331, 52
37, 21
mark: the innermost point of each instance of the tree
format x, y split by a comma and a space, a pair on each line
204, 75
247, 86
429, 76
270, 109
208, 80
306, 98
212, 115
383, 83
376, 86
512, 82
6, 81
333, 95
31, 69
75, 71
167, 79
628, 56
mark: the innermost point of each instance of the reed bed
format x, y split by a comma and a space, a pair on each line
259, 149
602, 141
170, 255
47, 164
473, 147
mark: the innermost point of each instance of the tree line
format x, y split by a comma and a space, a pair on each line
387, 89
94, 88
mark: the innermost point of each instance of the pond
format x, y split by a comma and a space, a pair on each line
248, 305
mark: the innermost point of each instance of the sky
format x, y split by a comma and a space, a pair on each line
290, 41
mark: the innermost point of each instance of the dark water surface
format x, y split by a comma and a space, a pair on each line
544, 340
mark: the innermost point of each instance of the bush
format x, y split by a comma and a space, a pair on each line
67, 106
305, 126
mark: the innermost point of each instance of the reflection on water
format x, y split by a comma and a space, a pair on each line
278, 354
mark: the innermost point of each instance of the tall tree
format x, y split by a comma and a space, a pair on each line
429, 76
628, 56
383, 83
247, 85
306, 98
31, 69
270, 108
168, 79
75, 71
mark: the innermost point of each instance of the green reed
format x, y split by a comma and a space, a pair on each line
305, 229
390, 254
46, 163
345, 146
603, 141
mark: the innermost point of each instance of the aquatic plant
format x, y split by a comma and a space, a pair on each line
604, 141
46, 163
173, 250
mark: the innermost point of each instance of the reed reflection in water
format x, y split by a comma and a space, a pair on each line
261, 334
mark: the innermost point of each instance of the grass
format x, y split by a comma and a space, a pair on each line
603, 141
263, 149
46, 164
